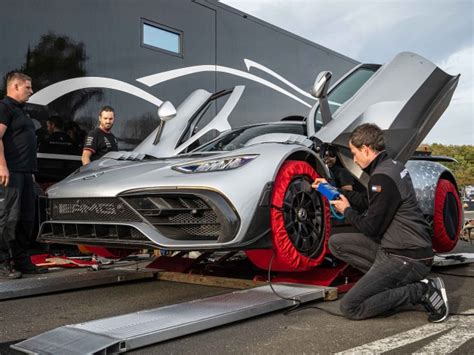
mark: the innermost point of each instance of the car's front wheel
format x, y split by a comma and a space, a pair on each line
300, 222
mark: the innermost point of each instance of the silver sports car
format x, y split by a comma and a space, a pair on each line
250, 188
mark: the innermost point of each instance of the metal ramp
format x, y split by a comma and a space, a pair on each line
453, 259
69, 280
135, 330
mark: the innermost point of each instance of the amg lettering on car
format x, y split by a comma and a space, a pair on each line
83, 208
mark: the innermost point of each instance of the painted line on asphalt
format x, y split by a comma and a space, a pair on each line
460, 330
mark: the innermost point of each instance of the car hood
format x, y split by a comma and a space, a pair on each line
120, 174
405, 98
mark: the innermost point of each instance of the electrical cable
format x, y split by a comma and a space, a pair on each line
335, 214
302, 308
297, 302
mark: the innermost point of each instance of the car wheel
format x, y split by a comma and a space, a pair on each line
299, 221
447, 217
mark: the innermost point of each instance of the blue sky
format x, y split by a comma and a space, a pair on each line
375, 31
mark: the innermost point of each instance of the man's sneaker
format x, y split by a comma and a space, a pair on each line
435, 300
7, 272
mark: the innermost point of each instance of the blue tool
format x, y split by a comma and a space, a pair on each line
328, 191
331, 193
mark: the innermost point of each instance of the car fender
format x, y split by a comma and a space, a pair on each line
425, 176
304, 154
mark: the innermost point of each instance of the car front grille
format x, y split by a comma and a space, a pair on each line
184, 216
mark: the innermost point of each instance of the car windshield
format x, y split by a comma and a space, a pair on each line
238, 138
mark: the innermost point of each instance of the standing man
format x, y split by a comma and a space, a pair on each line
100, 140
393, 247
17, 166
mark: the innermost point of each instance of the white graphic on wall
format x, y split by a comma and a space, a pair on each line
250, 63
54, 91
158, 78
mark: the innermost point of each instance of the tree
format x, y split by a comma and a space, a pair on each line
463, 170
58, 58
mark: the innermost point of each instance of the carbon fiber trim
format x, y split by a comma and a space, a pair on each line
96, 234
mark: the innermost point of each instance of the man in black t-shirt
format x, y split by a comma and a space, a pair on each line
17, 166
100, 141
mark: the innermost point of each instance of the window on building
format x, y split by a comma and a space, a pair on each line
161, 37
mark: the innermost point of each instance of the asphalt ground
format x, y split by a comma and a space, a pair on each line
314, 329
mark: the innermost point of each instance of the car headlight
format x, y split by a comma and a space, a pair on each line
215, 165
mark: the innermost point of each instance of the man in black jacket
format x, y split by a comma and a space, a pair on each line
393, 247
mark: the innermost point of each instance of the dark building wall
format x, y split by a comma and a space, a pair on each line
297, 60
55, 40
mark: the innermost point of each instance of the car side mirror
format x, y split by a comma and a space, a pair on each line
321, 84
320, 91
166, 111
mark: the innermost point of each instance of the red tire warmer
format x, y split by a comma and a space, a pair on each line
443, 240
287, 257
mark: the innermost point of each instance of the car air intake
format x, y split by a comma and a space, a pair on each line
203, 215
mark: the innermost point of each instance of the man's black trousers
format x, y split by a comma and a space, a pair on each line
17, 215
390, 282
